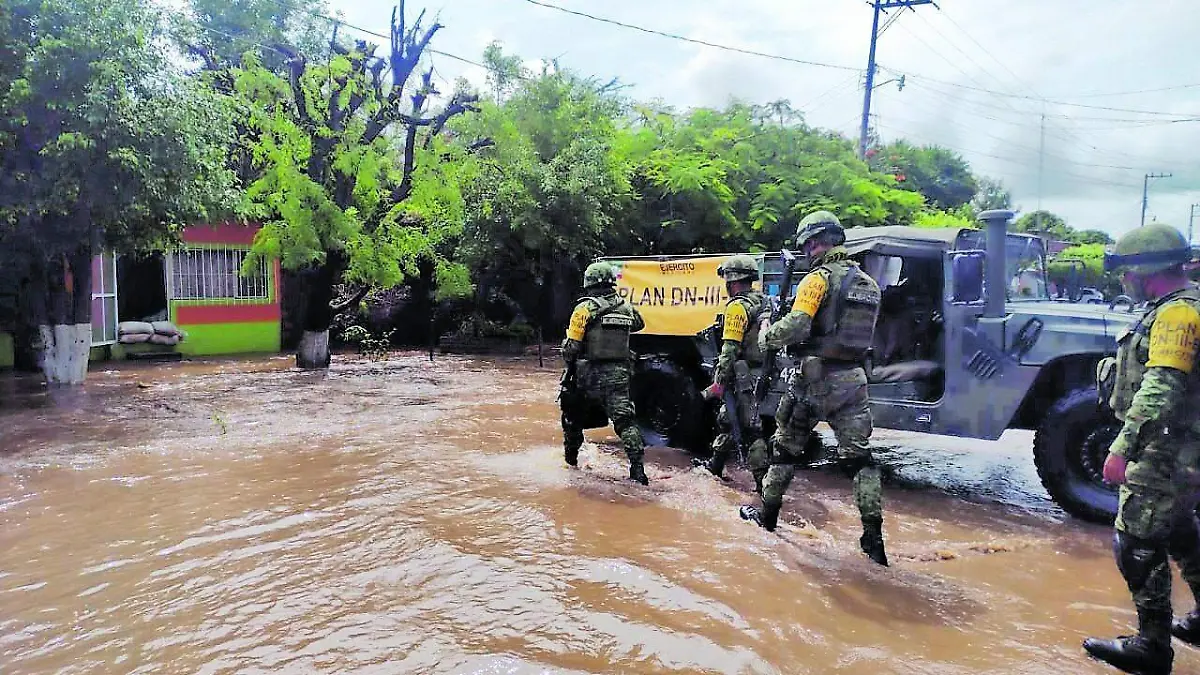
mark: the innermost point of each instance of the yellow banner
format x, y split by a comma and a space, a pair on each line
675, 297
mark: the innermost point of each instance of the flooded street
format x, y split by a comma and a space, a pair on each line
408, 517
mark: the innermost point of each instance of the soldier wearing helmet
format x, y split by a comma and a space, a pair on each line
597, 346
738, 364
1153, 387
830, 329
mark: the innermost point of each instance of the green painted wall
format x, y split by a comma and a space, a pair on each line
230, 338
6, 350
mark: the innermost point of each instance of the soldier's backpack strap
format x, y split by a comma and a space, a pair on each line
604, 305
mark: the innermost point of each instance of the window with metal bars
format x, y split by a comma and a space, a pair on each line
215, 273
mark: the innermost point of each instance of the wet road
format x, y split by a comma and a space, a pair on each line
408, 517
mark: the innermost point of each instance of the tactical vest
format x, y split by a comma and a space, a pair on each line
1119, 378
606, 337
844, 327
756, 307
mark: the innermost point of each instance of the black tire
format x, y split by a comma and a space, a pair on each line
1069, 451
670, 410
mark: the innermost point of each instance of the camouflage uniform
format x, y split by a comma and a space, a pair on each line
1153, 387
597, 343
831, 325
738, 365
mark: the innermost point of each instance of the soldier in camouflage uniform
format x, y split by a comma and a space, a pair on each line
597, 344
1153, 386
737, 367
831, 327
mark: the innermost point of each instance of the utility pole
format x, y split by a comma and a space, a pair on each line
1146, 191
1192, 222
879, 6
1041, 163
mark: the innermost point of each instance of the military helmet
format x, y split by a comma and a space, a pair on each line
1146, 250
738, 267
599, 274
819, 222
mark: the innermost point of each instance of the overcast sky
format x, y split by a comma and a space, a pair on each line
1091, 53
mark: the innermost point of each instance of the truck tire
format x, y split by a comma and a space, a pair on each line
1069, 449
670, 410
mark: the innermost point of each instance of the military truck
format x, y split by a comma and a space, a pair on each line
965, 346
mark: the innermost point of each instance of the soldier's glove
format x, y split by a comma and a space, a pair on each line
1114, 469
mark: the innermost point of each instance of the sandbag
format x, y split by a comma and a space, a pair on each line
134, 338
165, 328
135, 328
167, 340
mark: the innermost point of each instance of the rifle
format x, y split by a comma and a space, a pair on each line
762, 385
712, 336
567, 383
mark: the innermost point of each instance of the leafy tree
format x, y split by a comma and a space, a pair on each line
721, 180
222, 31
1088, 268
102, 146
942, 175
548, 189
353, 184
1091, 237
1044, 223
991, 194
940, 219
505, 71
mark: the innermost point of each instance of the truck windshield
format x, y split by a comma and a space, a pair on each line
1024, 263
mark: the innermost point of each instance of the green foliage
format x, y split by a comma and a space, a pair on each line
550, 188
369, 345
1092, 271
222, 31
745, 176
940, 219
1091, 237
941, 175
991, 195
101, 142
1044, 223
334, 188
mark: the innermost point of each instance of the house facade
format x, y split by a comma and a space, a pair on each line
195, 296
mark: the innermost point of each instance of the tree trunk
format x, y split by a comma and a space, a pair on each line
65, 338
64, 352
313, 352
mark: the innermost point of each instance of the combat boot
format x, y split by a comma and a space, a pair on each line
638, 473
871, 541
571, 456
1147, 653
1188, 628
759, 477
766, 517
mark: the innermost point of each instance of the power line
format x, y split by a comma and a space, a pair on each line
1140, 91
1021, 82
683, 38
1052, 101
779, 57
1011, 160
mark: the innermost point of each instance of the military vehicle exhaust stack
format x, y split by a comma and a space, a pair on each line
996, 222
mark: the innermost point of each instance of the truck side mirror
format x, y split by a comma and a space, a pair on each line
967, 276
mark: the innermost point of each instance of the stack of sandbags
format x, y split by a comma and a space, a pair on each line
134, 332
166, 333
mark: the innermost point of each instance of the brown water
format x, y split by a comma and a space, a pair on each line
408, 517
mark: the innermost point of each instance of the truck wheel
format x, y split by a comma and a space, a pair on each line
1069, 450
669, 408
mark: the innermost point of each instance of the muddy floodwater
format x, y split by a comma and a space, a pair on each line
403, 516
